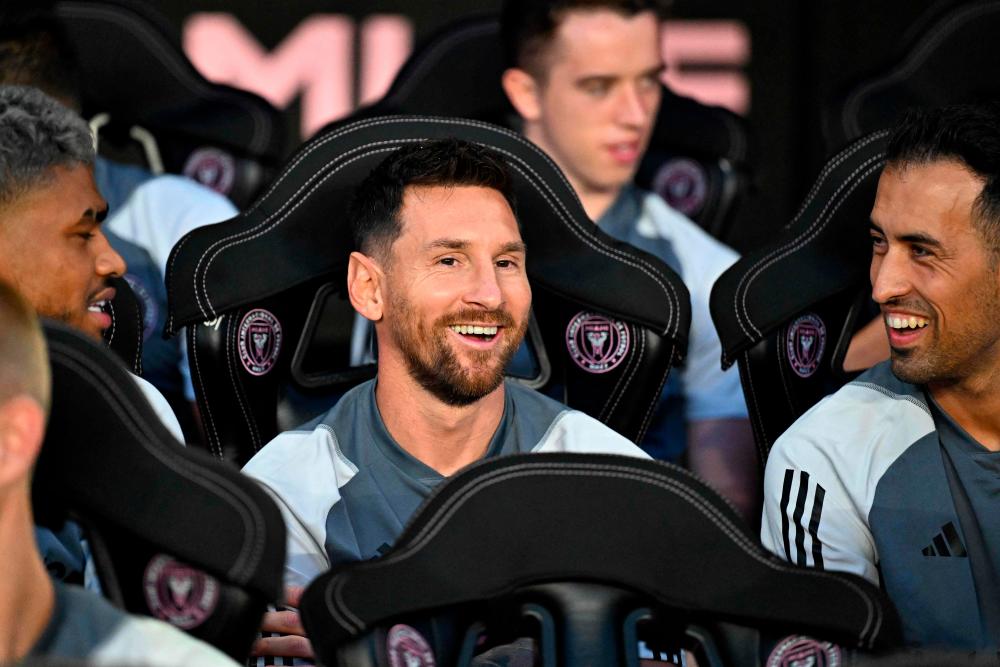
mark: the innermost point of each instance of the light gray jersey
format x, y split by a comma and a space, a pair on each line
346, 488
860, 483
86, 627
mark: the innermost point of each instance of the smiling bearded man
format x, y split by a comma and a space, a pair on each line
896, 476
440, 270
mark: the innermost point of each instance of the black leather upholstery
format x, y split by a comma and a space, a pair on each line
698, 155
278, 270
173, 533
588, 554
132, 67
787, 311
949, 58
124, 336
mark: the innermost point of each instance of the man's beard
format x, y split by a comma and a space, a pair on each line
433, 364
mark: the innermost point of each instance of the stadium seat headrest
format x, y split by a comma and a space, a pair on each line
108, 457
305, 207
641, 525
950, 58
825, 250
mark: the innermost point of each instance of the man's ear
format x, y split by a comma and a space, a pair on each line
22, 429
523, 92
364, 285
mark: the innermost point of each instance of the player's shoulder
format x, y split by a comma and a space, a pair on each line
316, 448
703, 257
876, 416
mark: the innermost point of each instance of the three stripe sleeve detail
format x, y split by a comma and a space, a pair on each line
793, 529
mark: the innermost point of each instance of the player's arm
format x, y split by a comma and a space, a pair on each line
812, 517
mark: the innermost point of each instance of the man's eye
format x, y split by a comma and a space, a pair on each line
448, 261
596, 88
506, 263
918, 251
878, 243
86, 236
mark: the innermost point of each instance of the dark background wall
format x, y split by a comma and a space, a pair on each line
802, 53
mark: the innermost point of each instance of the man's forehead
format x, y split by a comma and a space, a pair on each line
924, 194
577, 28
452, 211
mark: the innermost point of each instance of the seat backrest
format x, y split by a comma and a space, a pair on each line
271, 329
949, 58
124, 336
698, 155
587, 553
786, 312
132, 69
173, 533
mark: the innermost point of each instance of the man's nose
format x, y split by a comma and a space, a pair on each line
109, 263
484, 288
889, 277
635, 106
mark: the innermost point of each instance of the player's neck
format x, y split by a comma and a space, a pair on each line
26, 593
974, 404
443, 437
597, 202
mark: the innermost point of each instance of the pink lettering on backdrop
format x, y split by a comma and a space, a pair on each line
386, 42
722, 48
316, 60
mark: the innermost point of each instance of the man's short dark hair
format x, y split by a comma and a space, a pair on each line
528, 26
374, 212
36, 134
969, 134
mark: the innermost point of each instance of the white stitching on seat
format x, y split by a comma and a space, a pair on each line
250, 550
868, 167
912, 62
114, 321
755, 413
214, 441
340, 611
255, 439
624, 383
569, 221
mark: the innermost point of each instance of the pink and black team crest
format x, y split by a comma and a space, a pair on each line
408, 648
259, 341
596, 343
804, 343
212, 168
799, 651
682, 184
179, 594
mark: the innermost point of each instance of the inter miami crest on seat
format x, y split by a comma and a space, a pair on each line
173, 533
274, 343
588, 555
786, 312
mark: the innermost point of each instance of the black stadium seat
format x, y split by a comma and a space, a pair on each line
132, 68
174, 534
698, 155
786, 312
951, 58
588, 554
271, 328
124, 336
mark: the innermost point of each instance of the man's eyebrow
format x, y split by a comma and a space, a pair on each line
913, 237
448, 244
514, 246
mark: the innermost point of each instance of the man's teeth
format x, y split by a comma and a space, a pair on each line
97, 306
905, 322
474, 329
